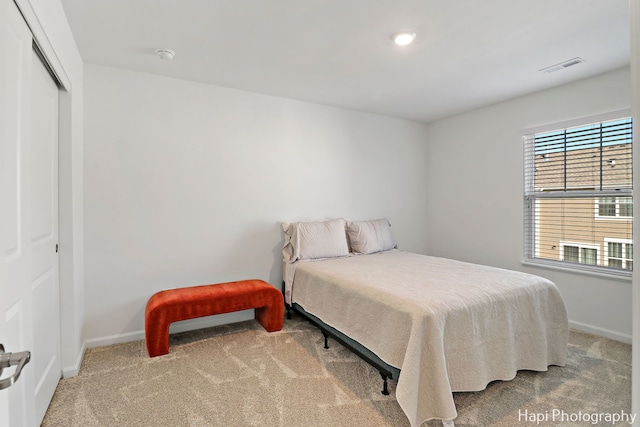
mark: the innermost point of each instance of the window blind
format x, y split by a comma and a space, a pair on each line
578, 195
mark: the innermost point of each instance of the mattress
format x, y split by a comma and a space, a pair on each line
448, 325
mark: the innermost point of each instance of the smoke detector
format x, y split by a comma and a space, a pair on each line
166, 54
563, 65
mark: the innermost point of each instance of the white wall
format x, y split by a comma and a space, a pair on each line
186, 184
50, 28
475, 192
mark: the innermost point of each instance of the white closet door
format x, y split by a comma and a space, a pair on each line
43, 177
29, 296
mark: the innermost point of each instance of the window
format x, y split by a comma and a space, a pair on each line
607, 206
579, 253
619, 253
570, 169
612, 207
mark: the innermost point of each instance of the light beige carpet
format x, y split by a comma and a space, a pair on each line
240, 375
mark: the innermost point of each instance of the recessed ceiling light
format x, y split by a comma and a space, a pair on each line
403, 38
166, 54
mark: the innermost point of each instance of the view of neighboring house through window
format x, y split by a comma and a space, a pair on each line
578, 195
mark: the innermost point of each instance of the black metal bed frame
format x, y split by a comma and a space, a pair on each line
386, 371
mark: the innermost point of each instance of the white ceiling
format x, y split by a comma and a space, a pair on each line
467, 53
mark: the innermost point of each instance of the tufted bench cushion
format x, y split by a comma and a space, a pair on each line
173, 305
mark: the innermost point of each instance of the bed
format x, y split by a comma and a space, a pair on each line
442, 325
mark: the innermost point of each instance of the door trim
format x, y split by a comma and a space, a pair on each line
44, 45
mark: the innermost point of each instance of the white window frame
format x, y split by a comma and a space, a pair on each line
580, 245
617, 216
531, 204
624, 243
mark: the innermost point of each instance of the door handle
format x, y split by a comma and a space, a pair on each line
12, 359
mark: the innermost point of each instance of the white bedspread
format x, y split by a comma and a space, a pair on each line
448, 325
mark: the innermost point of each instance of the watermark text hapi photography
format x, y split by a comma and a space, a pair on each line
580, 417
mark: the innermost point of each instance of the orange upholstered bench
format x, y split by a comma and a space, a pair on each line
172, 305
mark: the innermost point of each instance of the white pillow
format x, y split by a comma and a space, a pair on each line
367, 237
309, 240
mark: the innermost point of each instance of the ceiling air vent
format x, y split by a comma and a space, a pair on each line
562, 65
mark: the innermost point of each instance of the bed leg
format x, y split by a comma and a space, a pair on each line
447, 423
385, 389
288, 312
326, 340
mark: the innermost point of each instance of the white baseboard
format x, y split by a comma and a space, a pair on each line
241, 316
182, 326
607, 333
208, 322
72, 371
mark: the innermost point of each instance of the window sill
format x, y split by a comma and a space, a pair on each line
623, 275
